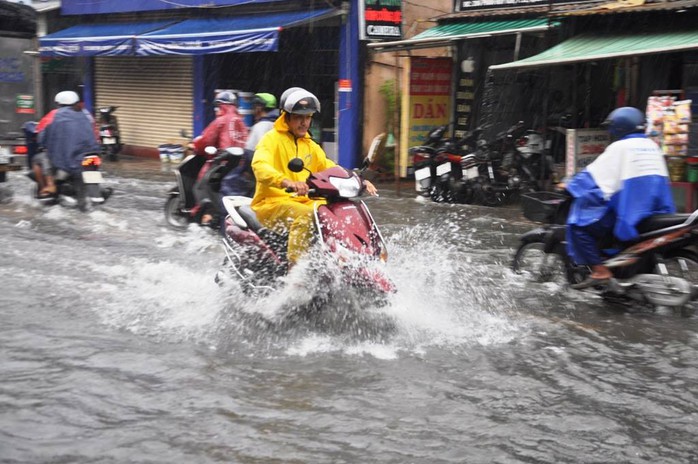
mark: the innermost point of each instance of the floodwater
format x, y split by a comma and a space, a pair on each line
116, 345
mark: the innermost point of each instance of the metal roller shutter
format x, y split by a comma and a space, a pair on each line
154, 96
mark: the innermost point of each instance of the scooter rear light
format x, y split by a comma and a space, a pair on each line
419, 157
20, 150
91, 161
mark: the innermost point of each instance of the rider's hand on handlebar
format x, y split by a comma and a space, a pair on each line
370, 188
301, 188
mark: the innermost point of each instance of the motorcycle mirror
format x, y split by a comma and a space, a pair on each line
296, 165
235, 151
210, 150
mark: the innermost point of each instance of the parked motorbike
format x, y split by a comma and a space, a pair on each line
660, 268
182, 207
479, 176
437, 164
514, 162
256, 256
109, 134
532, 162
76, 191
423, 161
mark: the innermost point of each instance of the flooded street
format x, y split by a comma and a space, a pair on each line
116, 345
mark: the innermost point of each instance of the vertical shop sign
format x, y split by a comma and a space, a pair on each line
380, 19
464, 98
430, 96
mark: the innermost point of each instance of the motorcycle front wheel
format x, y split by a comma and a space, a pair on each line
173, 213
535, 265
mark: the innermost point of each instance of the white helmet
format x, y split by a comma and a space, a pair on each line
284, 96
301, 102
67, 98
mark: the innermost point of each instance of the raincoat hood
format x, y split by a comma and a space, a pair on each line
282, 126
270, 162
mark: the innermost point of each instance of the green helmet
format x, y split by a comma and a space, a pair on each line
267, 100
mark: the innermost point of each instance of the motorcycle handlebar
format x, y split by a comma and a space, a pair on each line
290, 190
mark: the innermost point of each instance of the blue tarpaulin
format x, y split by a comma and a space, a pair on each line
202, 36
96, 39
248, 33
83, 7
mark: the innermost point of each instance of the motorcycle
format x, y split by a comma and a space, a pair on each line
437, 164
76, 191
182, 207
109, 134
423, 161
496, 172
348, 234
70, 191
659, 269
532, 163
480, 175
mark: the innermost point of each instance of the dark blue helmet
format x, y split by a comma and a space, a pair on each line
624, 121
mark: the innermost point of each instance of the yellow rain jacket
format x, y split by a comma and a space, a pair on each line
275, 207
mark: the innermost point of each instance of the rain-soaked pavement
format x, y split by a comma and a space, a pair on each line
116, 345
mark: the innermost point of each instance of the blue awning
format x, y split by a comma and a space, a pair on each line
247, 33
97, 39
202, 36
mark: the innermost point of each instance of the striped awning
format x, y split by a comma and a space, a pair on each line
592, 47
447, 33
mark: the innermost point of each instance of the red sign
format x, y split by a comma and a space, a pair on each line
380, 19
345, 85
430, 76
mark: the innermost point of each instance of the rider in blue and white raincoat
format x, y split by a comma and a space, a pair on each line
627, 183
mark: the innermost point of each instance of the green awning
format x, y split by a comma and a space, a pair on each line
445, 34
590, 47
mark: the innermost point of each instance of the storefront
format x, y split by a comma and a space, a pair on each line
475, 45
163, 73
624, 58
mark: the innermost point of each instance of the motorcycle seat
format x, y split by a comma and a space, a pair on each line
422, 149
250, 217
661, 221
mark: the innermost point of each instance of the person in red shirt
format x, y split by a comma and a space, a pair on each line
227, 130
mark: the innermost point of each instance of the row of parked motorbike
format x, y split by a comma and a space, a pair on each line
474, 170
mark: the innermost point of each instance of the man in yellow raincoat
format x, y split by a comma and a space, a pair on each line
276, 208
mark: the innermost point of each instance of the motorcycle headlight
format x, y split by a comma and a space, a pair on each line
347, 188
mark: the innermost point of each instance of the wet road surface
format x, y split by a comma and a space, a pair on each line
117, 346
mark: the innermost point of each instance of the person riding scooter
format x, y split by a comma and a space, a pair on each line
265, 113
41, 165
226, 131
627, 183
68, 138
276, 208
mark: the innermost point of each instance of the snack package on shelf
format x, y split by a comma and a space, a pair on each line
683, 111
668, 123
